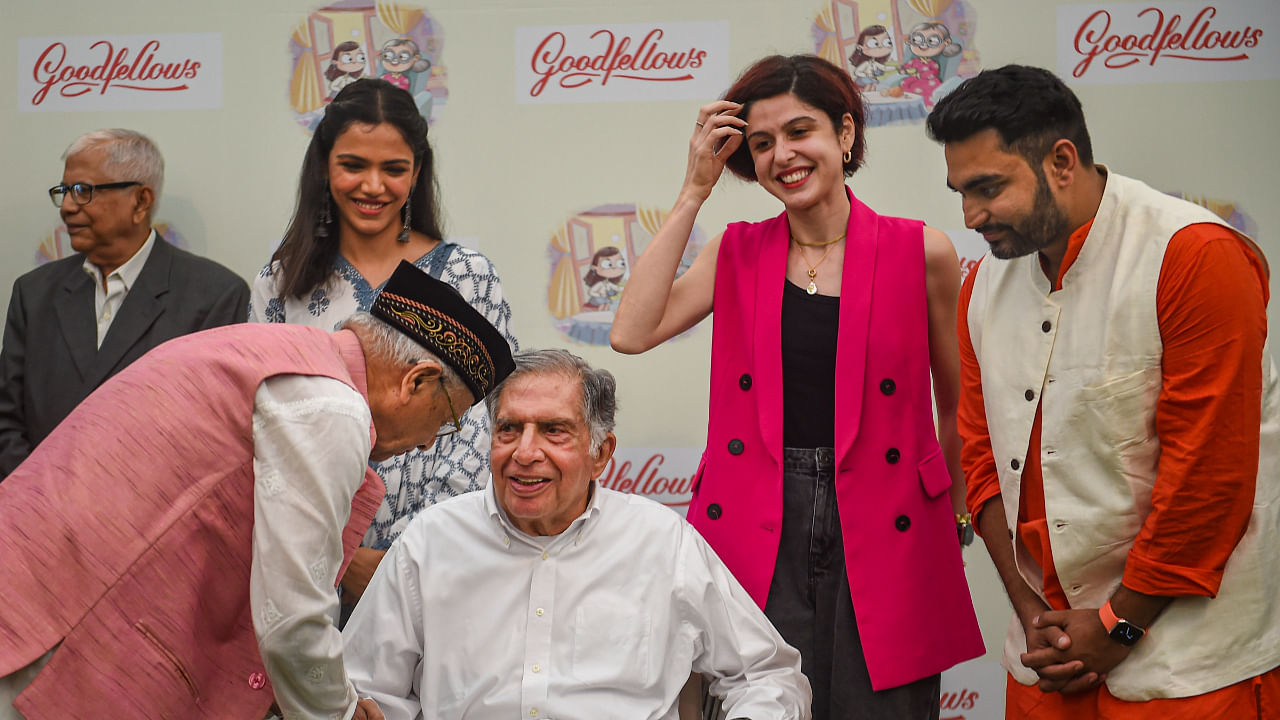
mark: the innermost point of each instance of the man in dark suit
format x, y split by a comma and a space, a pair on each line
77, 321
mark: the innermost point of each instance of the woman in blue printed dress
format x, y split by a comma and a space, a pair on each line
367, 199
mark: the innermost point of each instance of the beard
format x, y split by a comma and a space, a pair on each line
1043, 226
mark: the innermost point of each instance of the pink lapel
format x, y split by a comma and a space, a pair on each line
855, 316
771, 273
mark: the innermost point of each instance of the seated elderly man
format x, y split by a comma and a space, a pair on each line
548, 596
179, 560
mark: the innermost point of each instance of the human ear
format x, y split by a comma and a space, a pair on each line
1062, 162
422, 375
604, 454
144, 204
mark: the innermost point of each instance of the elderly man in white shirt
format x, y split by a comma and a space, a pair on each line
548, 596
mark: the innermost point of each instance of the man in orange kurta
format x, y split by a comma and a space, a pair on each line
1210, 305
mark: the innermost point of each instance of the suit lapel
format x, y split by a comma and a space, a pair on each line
855, 317
74, 309
772, 274
137, 313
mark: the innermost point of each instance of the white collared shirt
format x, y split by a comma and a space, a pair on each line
467, 617
106, 302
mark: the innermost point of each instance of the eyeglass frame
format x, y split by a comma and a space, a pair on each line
76, 189
457, 424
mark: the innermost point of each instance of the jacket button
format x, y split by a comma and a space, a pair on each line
887, 386
892, 456
1015, 464
1029, 395
744, 382
902, 523
1046, 326
713, 511
736, 447
257, 680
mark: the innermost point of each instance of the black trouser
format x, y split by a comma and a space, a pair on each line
810, 605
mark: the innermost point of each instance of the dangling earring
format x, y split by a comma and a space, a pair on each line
404, 231
322, 226
848, 155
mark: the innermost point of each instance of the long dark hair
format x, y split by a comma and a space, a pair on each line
305, 259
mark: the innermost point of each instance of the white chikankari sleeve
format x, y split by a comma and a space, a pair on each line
311, 449
754, 671
383, 638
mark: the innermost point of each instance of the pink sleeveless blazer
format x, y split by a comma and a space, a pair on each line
132, 547
915, 616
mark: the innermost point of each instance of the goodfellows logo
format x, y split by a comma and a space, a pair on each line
1168, 42
621, 63
120, 72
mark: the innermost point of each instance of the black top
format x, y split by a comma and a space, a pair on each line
809, 327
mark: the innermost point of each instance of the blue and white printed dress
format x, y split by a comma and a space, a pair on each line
456, 463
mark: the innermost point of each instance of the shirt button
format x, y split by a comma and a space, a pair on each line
544, 556
902, 523
892, 456
537, 668
736, 447
744, 382
539, 612
1015, 464
888, 386
713, 511
257, 680
533, 712
1029, 395
1046, 326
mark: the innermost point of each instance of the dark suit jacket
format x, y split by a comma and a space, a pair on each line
50, 360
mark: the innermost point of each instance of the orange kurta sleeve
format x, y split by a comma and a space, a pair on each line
1211, 306
981, 481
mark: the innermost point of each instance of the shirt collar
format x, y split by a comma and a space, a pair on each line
507, 531
130, 270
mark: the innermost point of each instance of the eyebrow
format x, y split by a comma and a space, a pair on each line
976, 182
393, 161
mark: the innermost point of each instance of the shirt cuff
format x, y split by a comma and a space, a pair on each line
1151, 577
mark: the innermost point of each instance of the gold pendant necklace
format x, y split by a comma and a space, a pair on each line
812, 289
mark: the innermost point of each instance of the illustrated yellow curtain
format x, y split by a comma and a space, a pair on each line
929, 8
399, 19
305, 92
650, 219
830, 49
562, 296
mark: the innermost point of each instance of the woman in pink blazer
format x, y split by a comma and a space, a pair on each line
824, 486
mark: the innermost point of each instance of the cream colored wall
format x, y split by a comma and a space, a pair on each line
512, 173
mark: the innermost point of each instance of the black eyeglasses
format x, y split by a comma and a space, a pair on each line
447, 429
82, 193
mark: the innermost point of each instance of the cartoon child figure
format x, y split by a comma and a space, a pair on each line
873, 48
346, 65
608, 267
927, 41
401, 56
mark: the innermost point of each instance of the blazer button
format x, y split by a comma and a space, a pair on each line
1015, 464
744, 382
1029, 395
892, 456
257, 680
903, 523
736, 447
1046, 326
713, 511
887, 386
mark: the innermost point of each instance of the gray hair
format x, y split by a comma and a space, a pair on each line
131, 156
389, 343
599, 391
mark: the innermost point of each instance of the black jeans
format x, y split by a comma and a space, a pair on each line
810, 605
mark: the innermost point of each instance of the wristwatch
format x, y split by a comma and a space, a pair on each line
1119, 629
964, 529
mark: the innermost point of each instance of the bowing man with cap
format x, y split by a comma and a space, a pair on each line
180, 561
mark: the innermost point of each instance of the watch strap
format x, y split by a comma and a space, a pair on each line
1108, 616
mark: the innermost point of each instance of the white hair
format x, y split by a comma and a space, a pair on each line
393, 345
131, 156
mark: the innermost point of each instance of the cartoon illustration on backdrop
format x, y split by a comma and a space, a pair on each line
346, 65
904, 55
411, 43
928, 42
590, 253
868, 59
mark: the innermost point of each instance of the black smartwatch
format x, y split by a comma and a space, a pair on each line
1119, 629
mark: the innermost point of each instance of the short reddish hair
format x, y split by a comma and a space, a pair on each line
815, 82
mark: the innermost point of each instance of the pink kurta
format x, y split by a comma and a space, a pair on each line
133, 550
910, 595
